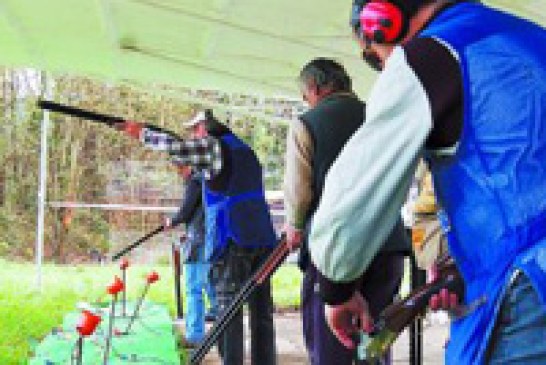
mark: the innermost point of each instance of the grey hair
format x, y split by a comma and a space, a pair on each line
326, 73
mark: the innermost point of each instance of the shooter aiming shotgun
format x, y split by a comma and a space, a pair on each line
233, 193
114, 122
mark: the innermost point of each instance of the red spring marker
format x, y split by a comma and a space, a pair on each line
150, 279
112, 289
115, 287
86, 327
88, 323
124, 264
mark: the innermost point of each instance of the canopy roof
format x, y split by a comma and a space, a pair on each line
242, 46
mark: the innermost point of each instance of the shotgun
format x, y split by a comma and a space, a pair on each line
138, 242
264, 272
402, 313
109, 120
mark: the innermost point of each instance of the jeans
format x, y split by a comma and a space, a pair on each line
196, 283
519, 336
229, 274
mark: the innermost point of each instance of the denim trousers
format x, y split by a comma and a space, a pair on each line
519, 336
229, 274
196, 284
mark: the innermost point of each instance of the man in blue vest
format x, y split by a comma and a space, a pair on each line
462, 85
239, 230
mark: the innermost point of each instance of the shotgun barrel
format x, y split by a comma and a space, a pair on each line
109, 120
80, 113
138, 242
265, 271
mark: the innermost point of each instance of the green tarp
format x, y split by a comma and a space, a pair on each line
150, 341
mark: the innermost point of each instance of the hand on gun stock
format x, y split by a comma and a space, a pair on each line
445, 300
349, 318
447, 287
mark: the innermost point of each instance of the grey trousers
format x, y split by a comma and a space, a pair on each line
228, 276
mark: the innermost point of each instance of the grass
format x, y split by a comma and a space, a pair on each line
26, 315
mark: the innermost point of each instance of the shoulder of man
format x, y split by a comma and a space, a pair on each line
338, 100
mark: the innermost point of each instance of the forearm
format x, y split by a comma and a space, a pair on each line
190, 202
298, 189
177, 219
184, 214
203, 154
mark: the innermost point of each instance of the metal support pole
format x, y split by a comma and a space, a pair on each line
110, 331
124, 294
80, 351
137, 309
418, 279
76, 358
42, 189
177, 286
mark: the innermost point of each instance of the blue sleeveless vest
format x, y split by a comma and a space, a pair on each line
239, 213
493, 190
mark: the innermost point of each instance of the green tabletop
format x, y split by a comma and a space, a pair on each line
150, 341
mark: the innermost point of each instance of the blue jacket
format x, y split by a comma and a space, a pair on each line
238, 212
493, 190
192, 213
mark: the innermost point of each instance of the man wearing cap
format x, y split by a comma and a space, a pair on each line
463, 85
239, 230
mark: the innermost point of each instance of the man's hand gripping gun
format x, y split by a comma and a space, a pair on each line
402, 313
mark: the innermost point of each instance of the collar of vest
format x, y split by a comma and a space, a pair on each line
337, 94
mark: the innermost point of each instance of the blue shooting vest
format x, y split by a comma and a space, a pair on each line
493, 190
239, 212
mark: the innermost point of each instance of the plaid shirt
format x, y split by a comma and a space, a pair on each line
204, 154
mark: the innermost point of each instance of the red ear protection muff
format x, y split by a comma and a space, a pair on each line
383, 22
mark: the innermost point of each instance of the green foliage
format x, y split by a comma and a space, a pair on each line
163, 260
26, 316
82, 158
4, 247
17, 232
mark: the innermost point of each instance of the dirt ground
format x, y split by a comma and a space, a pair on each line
292, 351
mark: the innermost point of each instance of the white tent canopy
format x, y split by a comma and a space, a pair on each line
242, 46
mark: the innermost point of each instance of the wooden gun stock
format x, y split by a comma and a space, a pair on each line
402, 313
